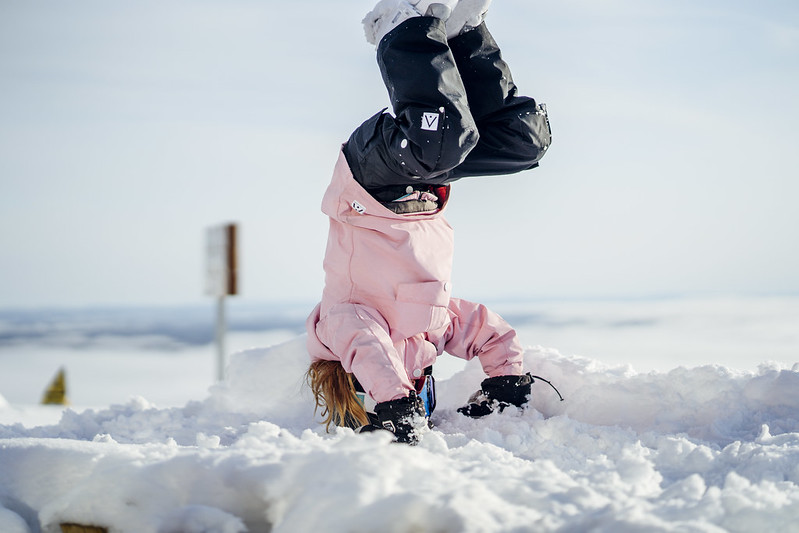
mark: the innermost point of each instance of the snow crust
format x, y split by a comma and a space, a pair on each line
704, 449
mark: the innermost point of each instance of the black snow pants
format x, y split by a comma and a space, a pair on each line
456, 112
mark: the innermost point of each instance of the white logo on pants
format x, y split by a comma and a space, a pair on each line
430, 121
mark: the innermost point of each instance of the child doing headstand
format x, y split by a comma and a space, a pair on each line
386, 311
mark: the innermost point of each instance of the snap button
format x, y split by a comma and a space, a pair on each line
417, 373
446, 286
404, 143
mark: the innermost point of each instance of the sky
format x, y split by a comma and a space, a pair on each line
127, 129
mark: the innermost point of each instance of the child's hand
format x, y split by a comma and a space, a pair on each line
404, 417
498, 393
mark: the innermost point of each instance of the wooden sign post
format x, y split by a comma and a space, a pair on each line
221, 280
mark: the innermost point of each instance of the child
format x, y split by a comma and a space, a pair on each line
387, 311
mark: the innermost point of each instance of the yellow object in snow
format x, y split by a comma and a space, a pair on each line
56, 393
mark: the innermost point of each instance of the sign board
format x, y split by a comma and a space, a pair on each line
221, 278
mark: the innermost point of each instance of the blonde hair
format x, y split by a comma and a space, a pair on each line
334, 392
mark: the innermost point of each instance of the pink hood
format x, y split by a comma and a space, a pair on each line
399, 265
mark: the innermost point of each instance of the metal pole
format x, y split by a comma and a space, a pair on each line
220, 338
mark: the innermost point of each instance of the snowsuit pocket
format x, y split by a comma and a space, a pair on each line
420, 307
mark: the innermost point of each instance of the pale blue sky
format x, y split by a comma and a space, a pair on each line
128, 128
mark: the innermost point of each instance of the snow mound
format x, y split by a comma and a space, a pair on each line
11, 522
703, 449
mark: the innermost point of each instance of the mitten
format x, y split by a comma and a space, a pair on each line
404, 417
498, 392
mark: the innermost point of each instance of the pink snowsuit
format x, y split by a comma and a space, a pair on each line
387, 311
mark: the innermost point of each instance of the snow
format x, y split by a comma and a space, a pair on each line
704, 449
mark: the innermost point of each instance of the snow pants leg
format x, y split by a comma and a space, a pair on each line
432, 129
456, 112
514, 130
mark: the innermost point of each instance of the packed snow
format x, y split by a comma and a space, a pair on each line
703, 449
